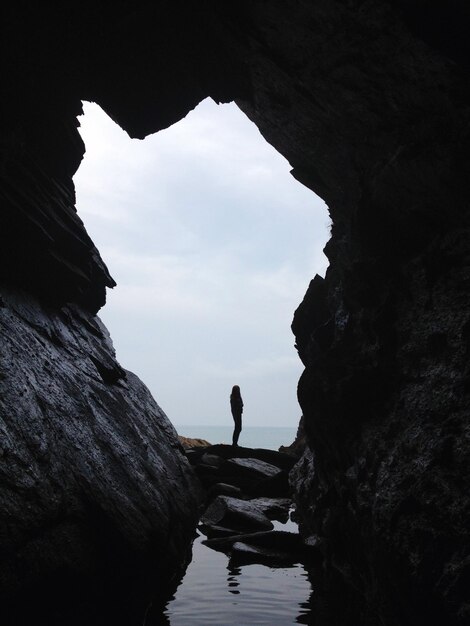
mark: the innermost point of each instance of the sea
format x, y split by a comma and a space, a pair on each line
269, 437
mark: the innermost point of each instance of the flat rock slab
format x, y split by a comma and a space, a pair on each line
254, 467
282, 461
244, 553
217, 532
224, 489
268, 547
235, 513
277, 540
273, 508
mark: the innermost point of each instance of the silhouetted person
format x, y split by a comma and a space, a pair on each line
236, 404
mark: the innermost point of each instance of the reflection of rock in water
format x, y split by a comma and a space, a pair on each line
232, 578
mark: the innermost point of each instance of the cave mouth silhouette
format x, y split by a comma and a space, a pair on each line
212, 243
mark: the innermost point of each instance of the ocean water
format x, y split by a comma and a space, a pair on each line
251, 436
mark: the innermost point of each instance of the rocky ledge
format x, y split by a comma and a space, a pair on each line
246, 490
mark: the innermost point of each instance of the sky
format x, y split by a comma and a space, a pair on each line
212, 244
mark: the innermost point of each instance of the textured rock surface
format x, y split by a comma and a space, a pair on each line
97, 502
237, 514
188, 442
369, 102
254, 469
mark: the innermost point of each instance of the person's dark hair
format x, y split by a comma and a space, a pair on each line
235, 390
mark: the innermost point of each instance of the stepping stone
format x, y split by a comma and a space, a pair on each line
276, 548
274, 540
253, 467
216, 532
274, 508
243, 553
224, 489
235, 513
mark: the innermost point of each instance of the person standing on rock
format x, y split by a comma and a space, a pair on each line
236, 404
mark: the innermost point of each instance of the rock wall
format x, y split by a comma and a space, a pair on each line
98, 503
383, 337
369, 102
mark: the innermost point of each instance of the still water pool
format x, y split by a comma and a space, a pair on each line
213, 593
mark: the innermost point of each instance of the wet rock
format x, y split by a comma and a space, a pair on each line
94, 482
224, 489
252, 469
237, 514
243, 469
273, 508
274, 548
244, 553
282, 461
279, 540
216, 531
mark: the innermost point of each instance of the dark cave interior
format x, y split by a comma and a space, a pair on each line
369, 102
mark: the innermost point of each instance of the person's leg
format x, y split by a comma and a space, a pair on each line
237, 430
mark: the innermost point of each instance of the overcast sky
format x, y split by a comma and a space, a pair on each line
212, 243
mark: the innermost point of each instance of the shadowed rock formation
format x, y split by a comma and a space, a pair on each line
98, 503
369, 102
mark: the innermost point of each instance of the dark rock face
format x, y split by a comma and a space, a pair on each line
370, 104
96, 498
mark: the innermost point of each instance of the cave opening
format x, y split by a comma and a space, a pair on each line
212, 243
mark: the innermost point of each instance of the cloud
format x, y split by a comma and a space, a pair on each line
253, 369
213, 244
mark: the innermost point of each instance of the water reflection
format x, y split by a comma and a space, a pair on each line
232, 581
215, 591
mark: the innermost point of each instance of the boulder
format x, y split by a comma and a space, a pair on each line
282, 461
278, 540
244, 553
237, 514
274, 547
98, 503
224, 489
273, 508
216, 531
252, 469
